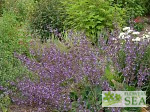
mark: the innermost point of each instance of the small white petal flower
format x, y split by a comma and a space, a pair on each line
133, 39
146, 36
126, 28
136, 33
128, 36
130, 31
137, 39
149, 33
121, 35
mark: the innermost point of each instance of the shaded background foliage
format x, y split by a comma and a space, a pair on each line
1, 5
48, 15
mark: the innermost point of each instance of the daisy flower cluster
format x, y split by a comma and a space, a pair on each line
136, 36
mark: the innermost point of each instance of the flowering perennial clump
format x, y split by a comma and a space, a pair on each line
129, 57
56, 71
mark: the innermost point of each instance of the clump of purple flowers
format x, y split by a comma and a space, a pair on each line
129, 57
56, 72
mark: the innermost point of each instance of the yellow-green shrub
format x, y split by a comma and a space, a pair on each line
92, 16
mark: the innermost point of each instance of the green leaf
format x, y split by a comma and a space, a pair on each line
108, 73
73, 96
101, 19
98, 102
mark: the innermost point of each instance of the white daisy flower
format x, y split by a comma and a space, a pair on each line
129, 31
137, 39
128, 36
121, 35
133, 39
126, 28
146, 36
136, 33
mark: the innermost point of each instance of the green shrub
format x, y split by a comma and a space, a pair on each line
21, 8
4, 102
139, 26
14, 37
92, 16
147, 6
1, 6
10, 42
134, 7
47, 16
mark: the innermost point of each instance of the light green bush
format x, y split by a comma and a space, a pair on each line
21, 8
4, 102
13, 38
92, 16
10, 68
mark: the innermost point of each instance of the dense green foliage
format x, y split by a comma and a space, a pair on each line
87, 15
9, 67
1, 5
93, 16
134, 8
47, 16
21, 8
13, 38
147, 5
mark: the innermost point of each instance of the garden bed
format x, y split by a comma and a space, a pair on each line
60, 55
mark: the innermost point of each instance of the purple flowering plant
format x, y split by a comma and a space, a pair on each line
129, 56
57, 71
128, 62
67, 73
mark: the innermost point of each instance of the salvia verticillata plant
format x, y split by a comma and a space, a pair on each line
56, 72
